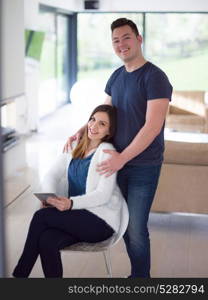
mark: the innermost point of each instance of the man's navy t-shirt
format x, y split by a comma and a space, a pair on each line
130, 92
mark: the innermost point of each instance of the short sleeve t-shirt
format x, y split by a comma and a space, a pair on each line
130, 92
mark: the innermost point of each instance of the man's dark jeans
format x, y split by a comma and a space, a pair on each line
138, 185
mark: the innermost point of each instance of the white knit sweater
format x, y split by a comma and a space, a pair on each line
103, 197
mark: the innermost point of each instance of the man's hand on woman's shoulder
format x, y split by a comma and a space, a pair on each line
112, 164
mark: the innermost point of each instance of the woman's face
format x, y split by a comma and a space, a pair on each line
98, 126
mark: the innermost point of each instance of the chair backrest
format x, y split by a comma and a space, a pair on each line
124, 219
123, 223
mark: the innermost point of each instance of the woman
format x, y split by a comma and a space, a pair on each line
90, 204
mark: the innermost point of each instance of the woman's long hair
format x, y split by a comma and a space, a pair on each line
82, 146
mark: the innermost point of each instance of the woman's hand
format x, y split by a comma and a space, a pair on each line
61, 203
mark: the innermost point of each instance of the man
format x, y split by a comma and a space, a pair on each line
141, 93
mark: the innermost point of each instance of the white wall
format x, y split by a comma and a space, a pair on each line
31, 14
71, 5
12, 48
154, 5
134, 5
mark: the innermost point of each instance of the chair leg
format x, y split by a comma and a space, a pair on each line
108, 262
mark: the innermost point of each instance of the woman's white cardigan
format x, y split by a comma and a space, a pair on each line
103, 197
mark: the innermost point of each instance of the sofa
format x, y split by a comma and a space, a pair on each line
188, 111
183, 184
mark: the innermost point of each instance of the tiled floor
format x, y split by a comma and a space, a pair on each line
179, 242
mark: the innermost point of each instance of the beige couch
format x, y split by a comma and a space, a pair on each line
183, 184
188, 111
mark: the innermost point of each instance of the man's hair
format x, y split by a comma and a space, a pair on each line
122, 22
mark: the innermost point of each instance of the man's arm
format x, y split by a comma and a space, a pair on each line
71, 139
155, 117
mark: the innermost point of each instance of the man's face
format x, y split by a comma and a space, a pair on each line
125, 43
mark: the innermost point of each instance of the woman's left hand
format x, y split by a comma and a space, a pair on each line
61, 203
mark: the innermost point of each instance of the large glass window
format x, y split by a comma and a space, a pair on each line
47, 84
96, 60
53, 78
95, 54
62, 87
178, 43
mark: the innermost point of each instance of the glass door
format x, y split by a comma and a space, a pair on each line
47, 84
61, 63
53, 89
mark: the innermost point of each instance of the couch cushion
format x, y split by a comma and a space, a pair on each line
192, 101
184, 119
186, 153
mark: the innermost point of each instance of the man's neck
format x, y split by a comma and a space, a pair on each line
134, 65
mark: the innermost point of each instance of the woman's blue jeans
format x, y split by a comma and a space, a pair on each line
138, 185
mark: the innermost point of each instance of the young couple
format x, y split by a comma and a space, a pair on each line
140, 93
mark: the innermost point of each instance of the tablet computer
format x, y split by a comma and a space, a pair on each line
43, 196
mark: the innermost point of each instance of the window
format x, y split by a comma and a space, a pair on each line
96, 58
47, 83
178, 43
53, 87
